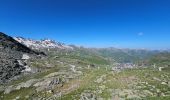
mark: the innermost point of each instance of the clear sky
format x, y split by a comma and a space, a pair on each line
91, 23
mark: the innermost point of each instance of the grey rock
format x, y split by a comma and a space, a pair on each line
11, 53
9, 89
56, 74
88, 96
48, 83
26, 84
157, 79
25, 57
99, 80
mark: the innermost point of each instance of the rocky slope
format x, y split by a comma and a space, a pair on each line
10, 43
12, 61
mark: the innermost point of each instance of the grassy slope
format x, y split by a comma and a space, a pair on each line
121, 81
161, 59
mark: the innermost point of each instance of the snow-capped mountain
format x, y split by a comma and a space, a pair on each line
38, 44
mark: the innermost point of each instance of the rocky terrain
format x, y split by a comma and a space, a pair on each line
80, 73
13, 56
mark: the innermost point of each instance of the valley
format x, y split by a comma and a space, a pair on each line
54, 71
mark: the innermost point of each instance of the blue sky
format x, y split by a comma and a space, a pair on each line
91, 23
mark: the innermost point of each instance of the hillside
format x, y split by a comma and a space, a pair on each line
11, 57
8, 42
160, 59
121, 55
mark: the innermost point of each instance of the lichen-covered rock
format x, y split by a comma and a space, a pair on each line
9, 89
88, 96
56, 74
47, 83
26, 84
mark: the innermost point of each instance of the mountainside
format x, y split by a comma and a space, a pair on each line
160, 59
12, 62
10, 43
127, 55
118, 55
40, 44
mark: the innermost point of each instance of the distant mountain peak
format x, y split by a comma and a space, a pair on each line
43, 43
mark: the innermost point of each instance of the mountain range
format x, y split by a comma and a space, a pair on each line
119, 55
40, 44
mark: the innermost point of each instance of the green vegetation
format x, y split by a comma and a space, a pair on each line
20, 94
162, 59
123, 80
86, 73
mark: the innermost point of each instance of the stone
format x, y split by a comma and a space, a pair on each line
99, 80
162, 94
56, 74
100, 98
17, 98
26, 84
147, 93
88, 66
103, 87
27, 96
169, 83
164, 83
79, 72
133, 96
73, 68
160, 68
88, 96
48, 83
27, 68
157, 79
8, 89
158, 90
99, 91
25, 57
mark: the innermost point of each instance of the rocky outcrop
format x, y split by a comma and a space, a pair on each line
26, 84
9, 65
47, 83
88, 95
12, 56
